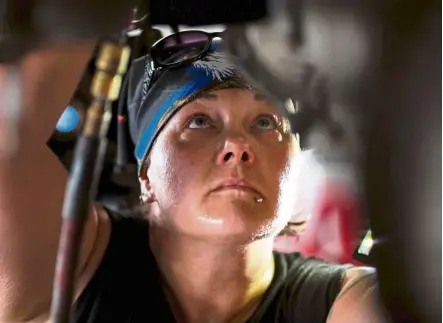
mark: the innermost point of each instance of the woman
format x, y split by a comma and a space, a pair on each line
212, 154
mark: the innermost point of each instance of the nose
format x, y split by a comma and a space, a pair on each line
235, 151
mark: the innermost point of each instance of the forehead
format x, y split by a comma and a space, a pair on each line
239, 100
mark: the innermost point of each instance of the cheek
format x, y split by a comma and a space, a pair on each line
281, 164
278, 153
278, 161
175, 170
273, 138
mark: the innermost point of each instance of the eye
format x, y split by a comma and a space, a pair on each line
266, 122
199, 122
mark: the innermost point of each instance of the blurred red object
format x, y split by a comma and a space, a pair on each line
334, 230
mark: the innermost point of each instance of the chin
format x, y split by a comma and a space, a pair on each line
236, 222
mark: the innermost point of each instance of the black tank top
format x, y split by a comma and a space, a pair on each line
126, 287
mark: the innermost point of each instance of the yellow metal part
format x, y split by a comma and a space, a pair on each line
111, 65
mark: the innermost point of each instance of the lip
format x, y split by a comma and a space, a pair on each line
236, 184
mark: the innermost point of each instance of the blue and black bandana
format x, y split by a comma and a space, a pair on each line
149, 111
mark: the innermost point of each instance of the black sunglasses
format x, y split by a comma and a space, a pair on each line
176, 50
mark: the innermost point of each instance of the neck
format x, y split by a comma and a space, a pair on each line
212, 281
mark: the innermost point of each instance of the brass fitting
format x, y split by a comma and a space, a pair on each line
111, 65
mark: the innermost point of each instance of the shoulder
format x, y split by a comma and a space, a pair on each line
313, 271
115, 236
124, 233
358, 299
308, 286
333, 293
100, 244
121, 263
358, 275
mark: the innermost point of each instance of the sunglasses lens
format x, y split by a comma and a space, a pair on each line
180, 47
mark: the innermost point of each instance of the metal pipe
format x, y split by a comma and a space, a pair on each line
111, 65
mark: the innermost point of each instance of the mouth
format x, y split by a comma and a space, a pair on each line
236, 185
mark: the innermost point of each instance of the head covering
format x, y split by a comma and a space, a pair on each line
149, 111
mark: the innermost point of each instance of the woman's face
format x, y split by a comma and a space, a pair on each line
216, 167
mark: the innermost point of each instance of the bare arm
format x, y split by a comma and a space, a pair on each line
32, 185
358, 301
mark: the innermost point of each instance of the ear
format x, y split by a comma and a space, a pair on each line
147, 195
